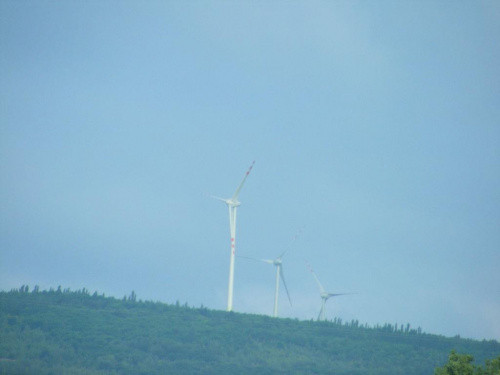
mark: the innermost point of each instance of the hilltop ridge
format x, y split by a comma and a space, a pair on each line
74, 332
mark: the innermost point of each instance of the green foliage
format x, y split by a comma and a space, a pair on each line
458, 364
461, 364
492, 367
64, 332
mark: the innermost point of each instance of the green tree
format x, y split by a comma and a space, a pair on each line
458, 364
492, 367
461, 364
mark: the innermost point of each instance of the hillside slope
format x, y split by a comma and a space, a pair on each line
63, 332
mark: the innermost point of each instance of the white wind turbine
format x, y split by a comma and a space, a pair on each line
233, 204
277, 262
324, 295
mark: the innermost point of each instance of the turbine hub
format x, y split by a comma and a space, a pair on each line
233, 203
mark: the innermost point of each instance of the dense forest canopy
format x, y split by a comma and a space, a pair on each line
76, 332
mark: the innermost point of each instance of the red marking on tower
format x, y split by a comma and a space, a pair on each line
249, 169
232, 246
232, 239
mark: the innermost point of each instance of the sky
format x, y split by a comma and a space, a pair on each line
374, 126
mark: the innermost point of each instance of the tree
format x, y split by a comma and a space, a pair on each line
132, 297
458, 364
492, 367
461, 364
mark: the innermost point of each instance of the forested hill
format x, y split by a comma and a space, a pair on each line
64, 332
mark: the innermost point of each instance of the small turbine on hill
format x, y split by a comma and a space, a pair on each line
324, 295
233, 204
278, 263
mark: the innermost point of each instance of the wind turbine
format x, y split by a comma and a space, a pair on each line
277, 262
324, 295
233, 204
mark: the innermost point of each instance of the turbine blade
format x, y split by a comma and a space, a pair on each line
237, 192
316, 278
291, 243
257, 259
214, 197
267, 261
338, 294
284, 283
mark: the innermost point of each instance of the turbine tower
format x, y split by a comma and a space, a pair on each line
278, 263
324, 295
232, 204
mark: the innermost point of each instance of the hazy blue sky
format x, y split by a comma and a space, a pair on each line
375, 125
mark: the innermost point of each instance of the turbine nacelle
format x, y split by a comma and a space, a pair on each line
325, 295
232, 202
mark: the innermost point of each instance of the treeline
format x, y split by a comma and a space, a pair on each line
387, 327
77, 332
